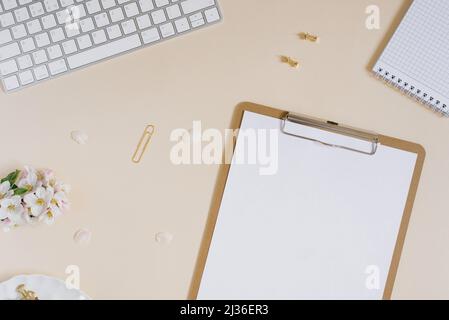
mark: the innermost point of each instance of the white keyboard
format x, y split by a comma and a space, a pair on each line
43, 39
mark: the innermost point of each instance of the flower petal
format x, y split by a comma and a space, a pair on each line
3, 214
4, 187
30, 199
41, 193
36, 211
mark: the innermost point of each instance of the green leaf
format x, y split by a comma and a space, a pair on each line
12, 177
20, 191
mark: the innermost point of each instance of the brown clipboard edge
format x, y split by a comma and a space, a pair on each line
221, 185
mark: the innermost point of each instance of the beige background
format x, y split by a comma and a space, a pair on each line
203, 76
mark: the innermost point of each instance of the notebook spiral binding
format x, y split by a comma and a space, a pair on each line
407, 89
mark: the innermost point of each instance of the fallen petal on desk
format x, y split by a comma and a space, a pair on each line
79, 137
82, 236
164, 238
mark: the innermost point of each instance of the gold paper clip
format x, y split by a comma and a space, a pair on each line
290, 61
143, 143
26, 294
309, 37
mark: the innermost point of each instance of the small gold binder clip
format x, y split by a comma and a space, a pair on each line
309, 37
143, 143
26, 294
290, 61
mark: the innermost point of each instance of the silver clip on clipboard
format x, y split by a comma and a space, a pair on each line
332, 127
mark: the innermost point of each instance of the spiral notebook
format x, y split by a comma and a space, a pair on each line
416, 60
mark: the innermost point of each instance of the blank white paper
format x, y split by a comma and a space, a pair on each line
314, 229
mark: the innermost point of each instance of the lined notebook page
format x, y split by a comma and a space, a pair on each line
416, 59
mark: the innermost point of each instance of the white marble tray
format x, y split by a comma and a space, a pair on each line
46, 288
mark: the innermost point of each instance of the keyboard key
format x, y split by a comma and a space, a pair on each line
173, 11
66, 3
78, 12
5, 36
101, 20
69, 47
167, 30
8, 67
9, 51
57, 35
54, 52
57, 67
84, 42
129, 27
6, 20
39, 57
196, 20
11, 83
197, 23
93, 6
143, 21
25, 62
131, 10
21, 14
19, 31
182, 25
51, 5
34, 26
48, 21
107, 4
150, 35
72, 30
36, 9
190, 6
87, 25
23, 2
63, 16
116, 14
212, 15
158, 16
26, 77
42, 39
104, 51
9, 4
113, 32
161, 3
99, 36
146, 5
27, 44
41, 72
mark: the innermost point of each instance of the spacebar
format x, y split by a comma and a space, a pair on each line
104, 51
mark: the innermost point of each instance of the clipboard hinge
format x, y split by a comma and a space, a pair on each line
332, 127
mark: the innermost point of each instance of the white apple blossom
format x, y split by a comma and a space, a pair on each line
12, 209
29, 180
47, 177
48, 217
38, 201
